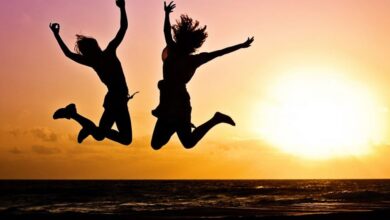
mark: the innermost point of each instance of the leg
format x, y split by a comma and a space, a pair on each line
105, 124
98, 133
161, 134
122, 119
70, 112
190, 139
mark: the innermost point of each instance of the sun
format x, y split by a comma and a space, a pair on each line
315, 113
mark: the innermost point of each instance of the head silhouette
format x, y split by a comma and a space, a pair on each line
87, 46
188, 35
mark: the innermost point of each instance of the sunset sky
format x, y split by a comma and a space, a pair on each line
311, 97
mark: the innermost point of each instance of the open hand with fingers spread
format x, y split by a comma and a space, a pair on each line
169, 8
248, 42
55, 27
120, 3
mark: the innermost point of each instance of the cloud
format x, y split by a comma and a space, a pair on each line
40, 149
44, 134
15, 150
17, 132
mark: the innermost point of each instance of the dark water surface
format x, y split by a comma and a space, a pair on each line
262, 197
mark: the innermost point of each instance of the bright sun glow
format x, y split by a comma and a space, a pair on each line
316, 114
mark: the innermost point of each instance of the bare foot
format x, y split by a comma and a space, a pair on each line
222, 118
66, 112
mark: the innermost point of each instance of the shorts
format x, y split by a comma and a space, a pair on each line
115, 101
175, 105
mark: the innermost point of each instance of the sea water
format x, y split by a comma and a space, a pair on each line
265, 197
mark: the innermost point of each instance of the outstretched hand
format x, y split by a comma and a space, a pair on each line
248, 42
55, 27
120, 3
169, 8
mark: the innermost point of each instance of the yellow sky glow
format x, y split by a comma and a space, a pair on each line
309, 97
315, 113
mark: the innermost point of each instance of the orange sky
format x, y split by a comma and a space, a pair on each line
36, 79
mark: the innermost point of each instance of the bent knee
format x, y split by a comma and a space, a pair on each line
156, 145
127, 141
99, 136
188, 144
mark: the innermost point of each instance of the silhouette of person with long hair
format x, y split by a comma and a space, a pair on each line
108, 67
179, 65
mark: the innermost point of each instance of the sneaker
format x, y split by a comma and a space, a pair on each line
66, 112
222, 118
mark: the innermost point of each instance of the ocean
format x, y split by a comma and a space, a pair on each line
193, 198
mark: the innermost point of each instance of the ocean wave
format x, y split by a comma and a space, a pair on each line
127, 196
357, 196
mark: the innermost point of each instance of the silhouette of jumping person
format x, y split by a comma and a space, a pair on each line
179, 65
108, 67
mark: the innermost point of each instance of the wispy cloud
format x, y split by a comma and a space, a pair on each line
17, 132
44, 134
15, 150
40, 149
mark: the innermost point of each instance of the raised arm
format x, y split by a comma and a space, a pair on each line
167, 23
205, 57
55, 27
123, 28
